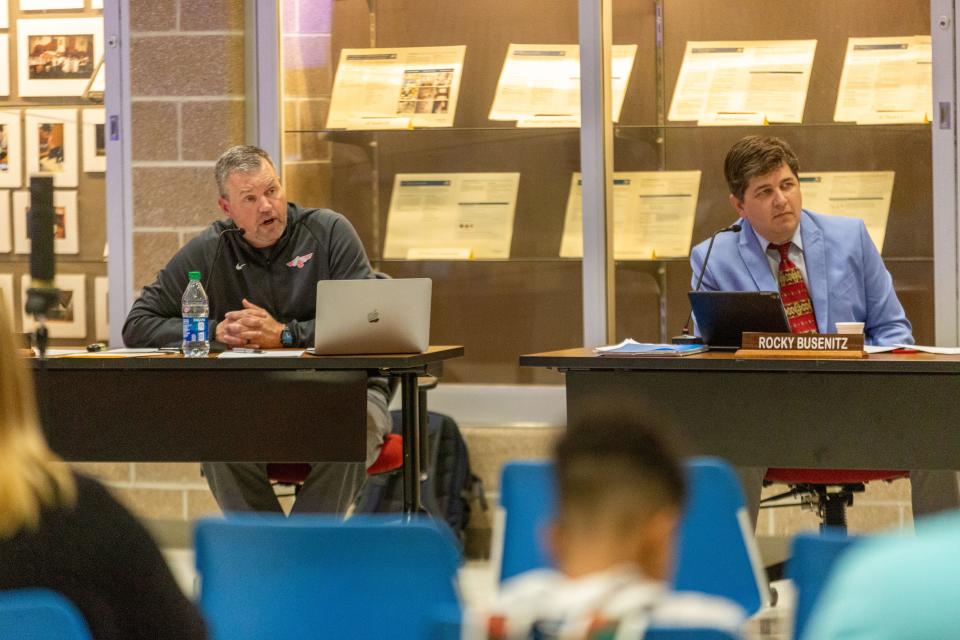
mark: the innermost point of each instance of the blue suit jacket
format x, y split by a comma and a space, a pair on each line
845, 275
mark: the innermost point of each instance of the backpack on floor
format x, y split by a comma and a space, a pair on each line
449, 488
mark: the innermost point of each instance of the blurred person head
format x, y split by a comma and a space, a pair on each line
31, 476
251, 194
762, 173
621, 493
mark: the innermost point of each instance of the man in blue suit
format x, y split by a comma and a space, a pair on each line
840, 271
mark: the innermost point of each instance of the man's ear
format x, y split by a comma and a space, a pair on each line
222, 202
657, 538
737, 204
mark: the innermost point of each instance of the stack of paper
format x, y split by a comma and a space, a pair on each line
631, 347
940, 351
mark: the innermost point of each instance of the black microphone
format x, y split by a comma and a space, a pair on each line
685, 337
215, 346
216, 254
42, 294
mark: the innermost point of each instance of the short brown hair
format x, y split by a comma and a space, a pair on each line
242, 158
755, 156
612, 467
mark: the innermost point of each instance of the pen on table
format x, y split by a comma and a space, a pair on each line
246, 350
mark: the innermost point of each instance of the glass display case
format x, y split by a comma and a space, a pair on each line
531, 298
822, 144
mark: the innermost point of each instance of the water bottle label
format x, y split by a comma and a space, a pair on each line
194, 329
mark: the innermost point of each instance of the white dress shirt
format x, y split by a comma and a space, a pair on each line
795, 253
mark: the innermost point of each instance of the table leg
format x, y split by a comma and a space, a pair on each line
410, 418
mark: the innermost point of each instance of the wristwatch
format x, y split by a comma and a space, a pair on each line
286, 337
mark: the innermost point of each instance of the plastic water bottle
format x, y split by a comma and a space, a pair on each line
196, 311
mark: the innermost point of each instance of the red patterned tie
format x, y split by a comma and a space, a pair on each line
794, 294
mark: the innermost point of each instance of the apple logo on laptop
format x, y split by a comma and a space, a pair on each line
373, 316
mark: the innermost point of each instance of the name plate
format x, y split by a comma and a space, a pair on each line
803, 345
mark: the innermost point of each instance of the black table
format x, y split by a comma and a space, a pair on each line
167, 408
887, 411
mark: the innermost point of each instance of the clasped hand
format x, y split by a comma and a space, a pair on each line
251, 327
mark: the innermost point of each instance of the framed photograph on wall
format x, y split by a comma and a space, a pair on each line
8, 299
57, 57
94, 141
94, 90
11, 154
4, 62
47, 5
65, 235
50, 136
68, 318
6, 243
101, 290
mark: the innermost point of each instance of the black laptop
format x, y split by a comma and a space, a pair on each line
723, 316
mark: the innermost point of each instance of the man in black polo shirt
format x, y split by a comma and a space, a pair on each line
260, 268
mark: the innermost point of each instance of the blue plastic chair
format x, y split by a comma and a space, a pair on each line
717, 552
321, 577
528, 498
716, 549
812, 557
40, 614
672, 633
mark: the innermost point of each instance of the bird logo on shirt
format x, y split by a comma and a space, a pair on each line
299, 261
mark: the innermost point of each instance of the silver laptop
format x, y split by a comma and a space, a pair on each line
372, 316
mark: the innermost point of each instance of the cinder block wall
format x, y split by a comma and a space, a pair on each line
188, 105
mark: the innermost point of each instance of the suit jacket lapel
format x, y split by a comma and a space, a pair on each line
815, 261
755, 258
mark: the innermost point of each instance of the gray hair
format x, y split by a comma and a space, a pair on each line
242, 158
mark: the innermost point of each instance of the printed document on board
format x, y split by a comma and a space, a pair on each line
398, 88
653, 214
886, 81
856, 194
451, 215
539, 85
755, 79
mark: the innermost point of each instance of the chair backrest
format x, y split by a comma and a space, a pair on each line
673, 633
40, 614
528, 499
717, 551
318, 576
812, 557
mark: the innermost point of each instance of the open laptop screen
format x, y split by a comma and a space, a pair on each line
723, 316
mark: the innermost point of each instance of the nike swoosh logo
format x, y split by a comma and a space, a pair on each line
240, 266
